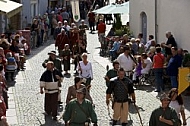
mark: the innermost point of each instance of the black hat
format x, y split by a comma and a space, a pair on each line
52, 52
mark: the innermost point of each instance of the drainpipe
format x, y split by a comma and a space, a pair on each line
156, 23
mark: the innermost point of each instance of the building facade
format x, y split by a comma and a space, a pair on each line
10, 15
158, 16
32, 8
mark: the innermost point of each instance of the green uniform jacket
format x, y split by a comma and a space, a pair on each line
169, 114
57, 63
111, 74
76, 116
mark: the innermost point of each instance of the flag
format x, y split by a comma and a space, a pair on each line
75, 10
184, 79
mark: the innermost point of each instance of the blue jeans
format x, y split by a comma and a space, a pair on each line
174, 82
113, 54
159, 80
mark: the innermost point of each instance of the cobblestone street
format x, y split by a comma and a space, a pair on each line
29, 102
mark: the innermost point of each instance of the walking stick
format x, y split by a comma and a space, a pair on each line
138, 114
109, 110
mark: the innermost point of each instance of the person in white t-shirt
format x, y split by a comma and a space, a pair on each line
148, 44
126, 61
177, 103
85, 71
146, 65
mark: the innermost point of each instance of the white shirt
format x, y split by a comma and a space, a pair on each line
148, 44
176, 106
125, 62
67, 27
86, 70
148, 63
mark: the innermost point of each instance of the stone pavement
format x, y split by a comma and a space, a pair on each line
26, 104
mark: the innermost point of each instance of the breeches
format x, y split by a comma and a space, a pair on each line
121, 112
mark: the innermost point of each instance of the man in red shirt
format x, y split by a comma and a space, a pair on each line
91, 20
101, 31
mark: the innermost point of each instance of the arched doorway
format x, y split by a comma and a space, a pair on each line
144, 25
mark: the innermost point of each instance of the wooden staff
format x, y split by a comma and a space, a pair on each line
138, 113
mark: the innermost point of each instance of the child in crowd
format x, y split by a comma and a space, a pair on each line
137, 70
65, 55
11, 66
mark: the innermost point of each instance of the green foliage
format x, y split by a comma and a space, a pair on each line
120, 30
118, 23
123, 30
186, 60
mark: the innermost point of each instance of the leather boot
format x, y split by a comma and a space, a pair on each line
124, 124
114, 122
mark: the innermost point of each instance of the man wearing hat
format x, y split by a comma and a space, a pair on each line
164, 115
54, 59
126, 60
79, 111
61, 40
57, 65
49, 86
82, 30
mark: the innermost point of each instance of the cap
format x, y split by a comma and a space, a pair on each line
52, 52
59, 22
81, 90
164, 96
49, 62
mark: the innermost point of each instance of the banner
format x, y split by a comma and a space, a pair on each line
75, 10
184, 79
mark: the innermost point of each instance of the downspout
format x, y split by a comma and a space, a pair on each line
21, 16
156, 23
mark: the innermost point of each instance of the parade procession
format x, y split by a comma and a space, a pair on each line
93, 63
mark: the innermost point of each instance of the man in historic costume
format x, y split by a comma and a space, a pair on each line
164, 115
82, 30
61, 40
121, 87
91, 20
112, 72
74, 36
80, 111
49, 85
58, 65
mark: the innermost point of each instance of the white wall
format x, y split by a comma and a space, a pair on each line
136, 7
173, 15
25, 12
41, 6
